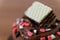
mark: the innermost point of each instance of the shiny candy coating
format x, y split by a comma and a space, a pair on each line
21, 27
43, 38
14, 30
42, 30
29, 33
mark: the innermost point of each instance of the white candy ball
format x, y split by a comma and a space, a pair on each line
35, 31
21, 27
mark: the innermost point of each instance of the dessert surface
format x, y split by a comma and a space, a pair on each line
12, 9
28, 33
34, 26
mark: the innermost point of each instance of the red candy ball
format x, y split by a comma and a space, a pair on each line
14, 30
43, 38
49, 37
42, 30
29, 33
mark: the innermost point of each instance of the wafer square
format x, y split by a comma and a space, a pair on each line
38, 11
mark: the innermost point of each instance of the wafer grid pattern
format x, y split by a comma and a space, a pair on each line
38, 11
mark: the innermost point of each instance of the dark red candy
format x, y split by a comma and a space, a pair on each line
27, 23
29, 33
58, 33
49, 37
14, 30
21, 23
42, 30
43, 38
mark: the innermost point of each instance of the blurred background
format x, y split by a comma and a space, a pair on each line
12, 9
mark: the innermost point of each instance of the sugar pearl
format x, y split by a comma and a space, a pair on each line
21, 27
35, 31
